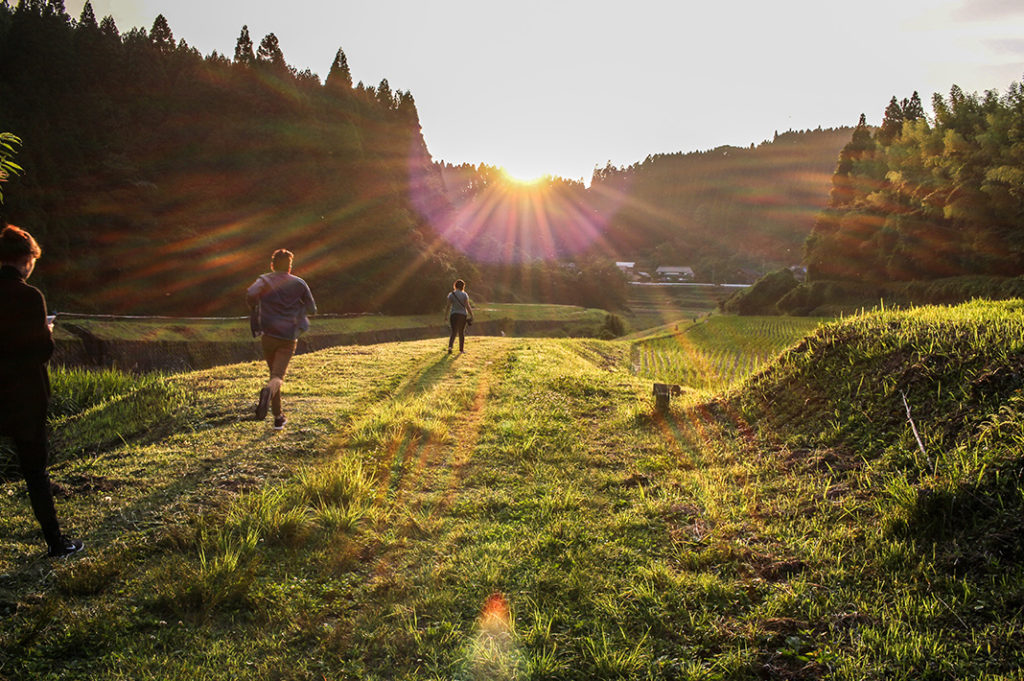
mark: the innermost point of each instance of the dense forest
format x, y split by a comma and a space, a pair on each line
924, 198
158, 180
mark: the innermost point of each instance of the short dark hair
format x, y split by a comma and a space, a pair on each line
281, 260
459, 284
16, 243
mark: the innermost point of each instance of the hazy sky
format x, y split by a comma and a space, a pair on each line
562, 86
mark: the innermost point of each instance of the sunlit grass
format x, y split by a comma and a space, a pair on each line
717, 351
520, 512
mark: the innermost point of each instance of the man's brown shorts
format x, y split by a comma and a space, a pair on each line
278, 352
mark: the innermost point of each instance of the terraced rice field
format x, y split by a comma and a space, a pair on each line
715, 352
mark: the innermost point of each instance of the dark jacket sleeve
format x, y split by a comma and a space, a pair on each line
27, 341
26, 345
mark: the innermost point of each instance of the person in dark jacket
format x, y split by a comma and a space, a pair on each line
284, 301
26, 344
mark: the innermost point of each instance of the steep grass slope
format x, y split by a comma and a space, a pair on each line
912, 423
930, 400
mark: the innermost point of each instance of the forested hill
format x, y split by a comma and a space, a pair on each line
725, 210
159, 180
924, 199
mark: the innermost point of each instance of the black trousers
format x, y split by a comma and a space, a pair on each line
458, 323
32, 459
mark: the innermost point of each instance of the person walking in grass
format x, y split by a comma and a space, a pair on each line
284, 301
26, 344
458, 313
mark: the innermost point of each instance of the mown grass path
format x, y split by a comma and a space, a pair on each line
486, 515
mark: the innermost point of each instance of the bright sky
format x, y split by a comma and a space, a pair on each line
562, 86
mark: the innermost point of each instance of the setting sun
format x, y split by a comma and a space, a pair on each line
522, 178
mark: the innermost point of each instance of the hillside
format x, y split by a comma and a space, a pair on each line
925, 403
159, 180
727, 212
518, 512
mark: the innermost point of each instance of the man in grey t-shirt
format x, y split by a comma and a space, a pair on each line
284, 301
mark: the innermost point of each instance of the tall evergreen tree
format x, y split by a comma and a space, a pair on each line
407, 106
270, 53
56, 8
31, 7
339, 76
243, 48
892, 123
88, 19
109, 28
160, 35
385, 96
913, 109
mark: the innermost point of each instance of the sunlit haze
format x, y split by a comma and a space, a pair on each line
525, 180
561, 87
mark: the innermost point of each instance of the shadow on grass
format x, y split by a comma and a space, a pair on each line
977, 525
428, 375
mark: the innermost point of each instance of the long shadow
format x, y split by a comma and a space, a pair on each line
145, 517
147, 510
430, 374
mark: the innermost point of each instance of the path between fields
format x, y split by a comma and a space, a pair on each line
440, 462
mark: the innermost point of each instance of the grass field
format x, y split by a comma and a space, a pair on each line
518, 512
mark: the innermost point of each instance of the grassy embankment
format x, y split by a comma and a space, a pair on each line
517, 512
573, 321
182, 344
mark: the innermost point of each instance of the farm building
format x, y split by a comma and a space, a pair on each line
674, 273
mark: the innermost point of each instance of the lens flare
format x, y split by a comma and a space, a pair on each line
493, 653
493, 216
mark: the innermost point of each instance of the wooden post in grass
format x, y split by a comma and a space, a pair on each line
663, 394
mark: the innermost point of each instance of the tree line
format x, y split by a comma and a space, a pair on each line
158, 179
922, 198
731, 213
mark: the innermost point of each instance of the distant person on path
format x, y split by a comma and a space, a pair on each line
458, 313
26, 344
284, 300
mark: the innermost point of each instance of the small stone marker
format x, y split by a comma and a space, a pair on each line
663, 393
